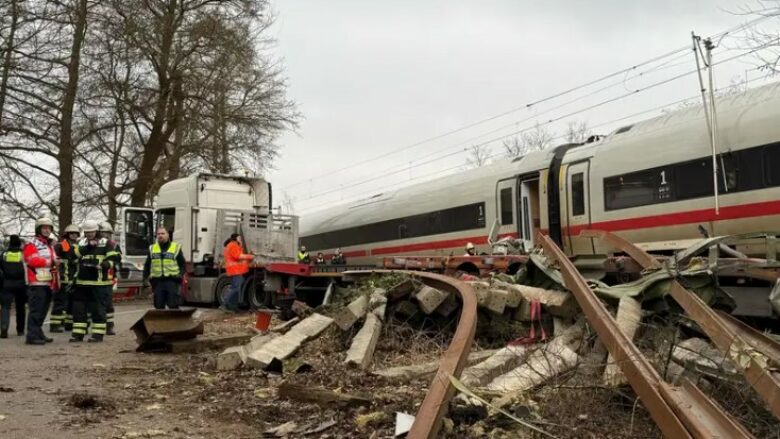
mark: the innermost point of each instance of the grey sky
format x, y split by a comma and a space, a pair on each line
372, 77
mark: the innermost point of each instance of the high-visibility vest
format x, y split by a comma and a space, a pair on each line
303, 257
164, 262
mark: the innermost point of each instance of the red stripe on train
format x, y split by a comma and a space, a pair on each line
645, 222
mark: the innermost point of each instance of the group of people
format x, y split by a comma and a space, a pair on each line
74, 277
337, 258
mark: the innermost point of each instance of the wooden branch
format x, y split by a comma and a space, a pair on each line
323, 397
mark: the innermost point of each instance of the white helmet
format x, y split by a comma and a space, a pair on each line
105, 226
90, 226
44, 221
469, 246
71, 229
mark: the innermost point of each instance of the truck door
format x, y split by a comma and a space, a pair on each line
136, 233
578, 208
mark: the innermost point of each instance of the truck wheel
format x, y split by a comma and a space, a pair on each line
254, 296
221, 289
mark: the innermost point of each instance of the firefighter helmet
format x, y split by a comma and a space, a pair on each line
72, 228
43, 221
469, 246
90, 226
105, 226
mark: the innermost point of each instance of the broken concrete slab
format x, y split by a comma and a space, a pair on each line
497, 301
284, 327
406, 309
629, 316
232, 358
499, 363
377, 303
282, 347
430, 298
356, 310
361, 351
402, 289
543, 364
259, 340
698, 355
415, 371
557, 303
482, 290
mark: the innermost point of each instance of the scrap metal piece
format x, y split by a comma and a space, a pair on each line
642, 257
428, 420
679, 413
158, 327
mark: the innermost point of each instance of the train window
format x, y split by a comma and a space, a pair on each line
772, 165
637, 189
506, 206
693, 179
578, 194
728, 173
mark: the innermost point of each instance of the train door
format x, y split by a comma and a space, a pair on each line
578, 207
528, 208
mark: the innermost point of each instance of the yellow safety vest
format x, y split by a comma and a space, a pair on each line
13, 256
164, 263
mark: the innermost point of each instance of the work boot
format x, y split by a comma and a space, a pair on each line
67, 327
76, 338
47, 339
96, 338
56, 329
4, 333
110, 332
37, 341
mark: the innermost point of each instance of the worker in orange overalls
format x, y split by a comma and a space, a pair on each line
236, 266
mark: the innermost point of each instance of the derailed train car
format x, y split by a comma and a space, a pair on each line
650, 182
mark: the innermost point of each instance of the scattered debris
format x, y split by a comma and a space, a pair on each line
283, 430
347, 316
321, 397
158, 327
280, 348
403, 423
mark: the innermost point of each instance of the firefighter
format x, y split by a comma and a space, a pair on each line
13, 286
164, 268
470, 250
106, 292
236, 266
320, 260
62, 312
95, 261
42, 279
338, 258
303, 255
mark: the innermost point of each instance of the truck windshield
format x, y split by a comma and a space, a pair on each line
167, 218
138, 234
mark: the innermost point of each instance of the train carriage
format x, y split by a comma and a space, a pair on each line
651, 182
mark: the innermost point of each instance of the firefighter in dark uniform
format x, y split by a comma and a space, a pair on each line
13, 287
96, 259
106, 294
62, 311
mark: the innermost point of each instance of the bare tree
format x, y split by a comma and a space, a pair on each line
577, 132
535, 139
479, 156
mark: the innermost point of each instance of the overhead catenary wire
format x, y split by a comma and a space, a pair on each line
548, 122
428, 176
532, 104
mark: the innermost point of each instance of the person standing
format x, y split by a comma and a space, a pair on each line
338, 258
320, 259
94, 263
106, 292
62, 311
13, 287
42, 279
236, 266
164, 268
303, 255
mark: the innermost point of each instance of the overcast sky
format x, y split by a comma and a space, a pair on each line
372, 77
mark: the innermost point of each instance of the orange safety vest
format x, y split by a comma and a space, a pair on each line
234, 265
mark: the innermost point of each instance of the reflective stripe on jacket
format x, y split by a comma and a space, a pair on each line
164, 262
91, 257
40, 259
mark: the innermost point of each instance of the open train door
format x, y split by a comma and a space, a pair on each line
528, 206
577, 208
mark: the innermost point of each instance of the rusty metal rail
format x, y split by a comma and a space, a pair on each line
679, 412
751, 351
428, 419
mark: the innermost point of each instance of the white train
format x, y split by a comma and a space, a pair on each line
650, 182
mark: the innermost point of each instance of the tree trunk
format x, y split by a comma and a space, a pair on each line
66, 149
9, 49
155, 145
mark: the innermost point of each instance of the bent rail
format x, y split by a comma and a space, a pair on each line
428, 419
679, 412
